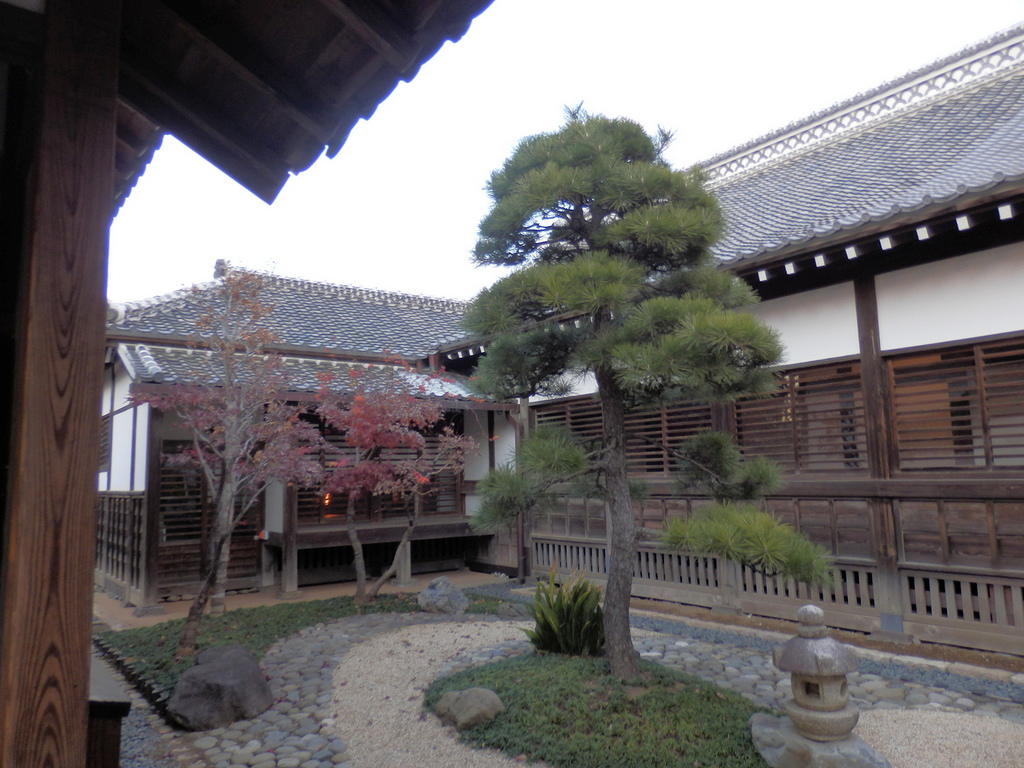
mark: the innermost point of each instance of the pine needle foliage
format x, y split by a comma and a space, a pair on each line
568, 617
711, 463
752, 537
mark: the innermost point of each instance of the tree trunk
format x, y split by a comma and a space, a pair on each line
218, 591
190, 633
357, 552
376, 587
215, 578
220, 549
623, 657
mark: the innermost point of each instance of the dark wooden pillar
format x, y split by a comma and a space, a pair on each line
290, 544
881, 453
149, 570
45, 607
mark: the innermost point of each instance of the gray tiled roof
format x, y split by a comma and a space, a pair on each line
153, 363
938, 135
317, 316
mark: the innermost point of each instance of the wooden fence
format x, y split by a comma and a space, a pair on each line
120, 529
974, 610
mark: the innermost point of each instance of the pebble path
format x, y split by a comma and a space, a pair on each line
289, 734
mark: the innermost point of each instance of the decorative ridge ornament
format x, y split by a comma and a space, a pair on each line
974, 65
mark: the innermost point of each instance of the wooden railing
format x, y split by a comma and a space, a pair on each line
974, 610
120, 529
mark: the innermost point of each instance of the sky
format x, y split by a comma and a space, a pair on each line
398, 208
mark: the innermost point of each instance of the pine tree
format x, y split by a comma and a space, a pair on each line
615, 281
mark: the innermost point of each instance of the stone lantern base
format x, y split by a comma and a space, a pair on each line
782, 746
823, 726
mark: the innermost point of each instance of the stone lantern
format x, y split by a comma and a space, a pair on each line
818, 665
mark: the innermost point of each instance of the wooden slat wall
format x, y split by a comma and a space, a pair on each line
184, 526
119, 539
934, 534
814, 423
960, 408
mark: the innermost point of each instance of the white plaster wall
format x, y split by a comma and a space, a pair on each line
476, 428
122, 429
141, 447
816, 325
127, 471
478, 464
981, 294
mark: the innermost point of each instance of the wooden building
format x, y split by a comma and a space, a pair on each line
261, 89
153, 516
885, 237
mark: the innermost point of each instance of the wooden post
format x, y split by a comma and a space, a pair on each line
49, 524
289, 545
881, 453
150, 534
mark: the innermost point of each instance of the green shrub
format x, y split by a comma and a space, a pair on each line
568, 618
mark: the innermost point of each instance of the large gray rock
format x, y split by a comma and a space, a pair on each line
224, 685
470, 707
782, 746
441, 596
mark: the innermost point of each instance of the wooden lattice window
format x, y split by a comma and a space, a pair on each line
181, 497
317, 507
814, 422
960, 408
650, 434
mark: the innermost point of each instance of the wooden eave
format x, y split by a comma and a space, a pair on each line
897, 243
262, 88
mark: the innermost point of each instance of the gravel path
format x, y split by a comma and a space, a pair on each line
380, 715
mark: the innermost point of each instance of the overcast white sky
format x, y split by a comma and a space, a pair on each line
398, 207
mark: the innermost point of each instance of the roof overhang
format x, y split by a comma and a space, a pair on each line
262, 88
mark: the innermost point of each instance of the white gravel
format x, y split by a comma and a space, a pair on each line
379, 688
378, 697
922, 738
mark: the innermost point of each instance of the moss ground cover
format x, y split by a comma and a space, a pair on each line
569, 712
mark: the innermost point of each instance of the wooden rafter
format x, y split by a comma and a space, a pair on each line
399, 48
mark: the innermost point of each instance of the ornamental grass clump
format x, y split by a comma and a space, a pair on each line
569, 618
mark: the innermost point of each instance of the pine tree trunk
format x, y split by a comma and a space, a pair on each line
623, 657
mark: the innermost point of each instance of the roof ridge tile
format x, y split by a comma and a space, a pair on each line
991, 58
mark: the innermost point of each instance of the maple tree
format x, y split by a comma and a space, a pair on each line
396, 441
244, 436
